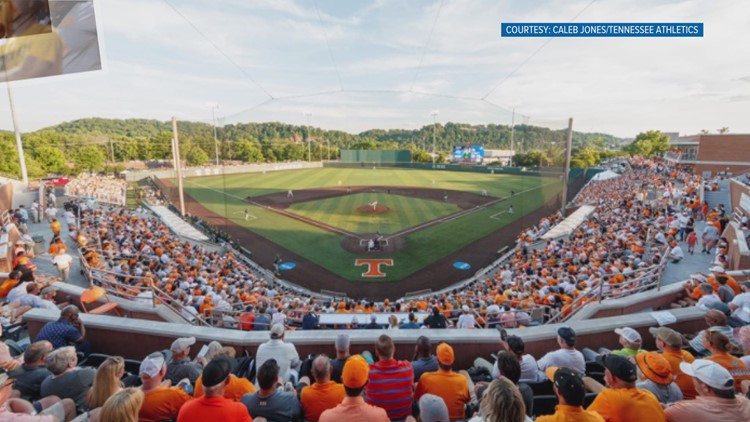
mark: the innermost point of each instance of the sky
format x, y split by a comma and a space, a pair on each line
354, 65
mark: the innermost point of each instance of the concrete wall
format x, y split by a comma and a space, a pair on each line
118, 336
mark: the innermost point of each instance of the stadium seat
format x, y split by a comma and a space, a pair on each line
14, 348
93, 360
92, 295
544, 405
542, 388
594, 367
132, 366
589, 399
598, 376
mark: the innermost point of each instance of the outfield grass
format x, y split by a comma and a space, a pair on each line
404, 212
225, 196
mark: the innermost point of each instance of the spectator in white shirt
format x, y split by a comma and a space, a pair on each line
566, 355
709, 298
285, 353
62, 262
466, 320
676, 254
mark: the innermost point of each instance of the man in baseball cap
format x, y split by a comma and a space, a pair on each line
213, 406
630, 340
450, 386
181, 367
656, 376
354, 377
621, 401
570, 391
669, 342
152, 372
716, 399
567, 356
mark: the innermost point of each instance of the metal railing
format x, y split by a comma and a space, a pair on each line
144, 294
649, 279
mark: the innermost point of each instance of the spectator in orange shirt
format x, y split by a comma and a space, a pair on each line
14, 278
720, 347
161, 401
669, 342
323, 394
570, 391
55, 226
353, 408
452, 387
213, 406
621, 401
236, 388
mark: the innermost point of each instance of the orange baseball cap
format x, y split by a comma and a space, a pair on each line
355, 372
445, 354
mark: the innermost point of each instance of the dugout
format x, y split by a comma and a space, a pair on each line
375, 156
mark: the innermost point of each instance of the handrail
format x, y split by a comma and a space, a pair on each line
108, 281
597, 292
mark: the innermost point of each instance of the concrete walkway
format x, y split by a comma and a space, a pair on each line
697, 263
44, 262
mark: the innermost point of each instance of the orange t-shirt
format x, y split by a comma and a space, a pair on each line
565, 413
213, 409
7, 286
684, 381
318, 398
162, 403
452, 387
736, 367
237, 388
627, 404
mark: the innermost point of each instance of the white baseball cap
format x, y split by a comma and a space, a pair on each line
152, 365
629, 334
709, 373
181, 344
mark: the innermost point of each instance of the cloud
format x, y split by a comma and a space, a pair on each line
160, 65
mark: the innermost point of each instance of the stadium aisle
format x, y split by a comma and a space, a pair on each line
697, 263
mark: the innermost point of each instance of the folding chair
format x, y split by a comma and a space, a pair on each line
93, 295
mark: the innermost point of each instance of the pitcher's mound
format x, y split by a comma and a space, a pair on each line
369, 209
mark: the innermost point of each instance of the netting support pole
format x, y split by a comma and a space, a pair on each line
177, 164
566, 174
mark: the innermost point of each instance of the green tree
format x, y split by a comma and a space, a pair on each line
196, 156
649, 144
89, 158
51, 160
247, 151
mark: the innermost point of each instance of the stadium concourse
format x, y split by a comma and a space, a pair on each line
641, 222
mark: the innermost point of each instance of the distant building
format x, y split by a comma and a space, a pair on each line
500, 156
711, 154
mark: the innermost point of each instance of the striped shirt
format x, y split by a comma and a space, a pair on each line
390, 387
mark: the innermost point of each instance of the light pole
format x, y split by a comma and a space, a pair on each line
512, 132
308, 114
434, 129
215, 107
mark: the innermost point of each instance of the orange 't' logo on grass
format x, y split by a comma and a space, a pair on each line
373, 266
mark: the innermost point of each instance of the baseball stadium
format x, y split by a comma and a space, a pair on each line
432, 227
316, 210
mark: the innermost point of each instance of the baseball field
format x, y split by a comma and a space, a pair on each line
321, 222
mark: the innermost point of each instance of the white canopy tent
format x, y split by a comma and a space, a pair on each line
567, 226
605, 175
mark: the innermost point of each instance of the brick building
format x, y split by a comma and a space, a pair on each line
712, 153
